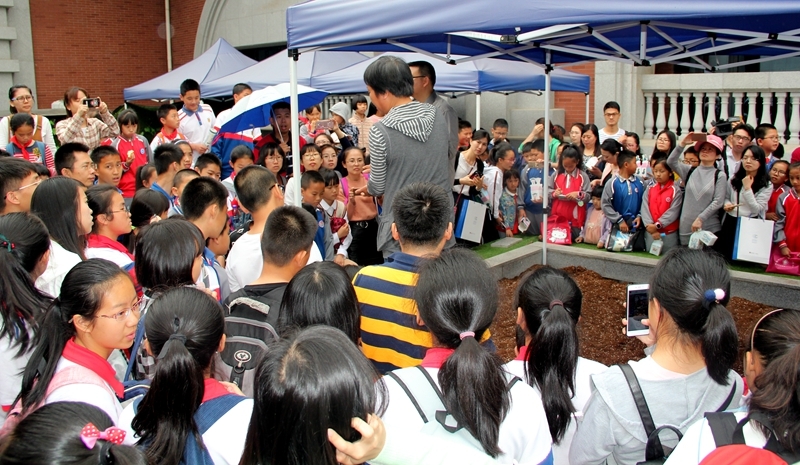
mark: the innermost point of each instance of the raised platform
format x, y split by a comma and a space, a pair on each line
770, 290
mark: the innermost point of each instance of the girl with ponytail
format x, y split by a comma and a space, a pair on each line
548, 304
96, 313
687, 373
772, 369
461, 388
24, 250
187, 416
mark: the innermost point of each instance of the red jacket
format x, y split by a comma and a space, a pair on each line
776, 194
141, 155
660, 199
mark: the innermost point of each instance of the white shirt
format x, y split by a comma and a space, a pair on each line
61, 261
197, 127
11, 366
699, 442
245, 260
583, 390
47, 132
603, 135
330, 210
122, 260
493, 179
104, 399
463, 169
289, 193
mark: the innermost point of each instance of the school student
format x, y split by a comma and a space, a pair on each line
179, 182
622, 195
185, 328
224, 142
133, 148
569, 188
196, 118
779, 177
596, 227
661, 207
208, 165
500, 414
111, 220
145, 176
240, 158
785, 234
23, 145
166, 159
170, 122
62, 206
705, 186
18, 181
695, 347
533, 179
311, 160
336, 215
312, 186
24, 251
512, 207
147, 206
95, 314
108, 166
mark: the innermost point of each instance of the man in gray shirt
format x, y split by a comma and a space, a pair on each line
424, 76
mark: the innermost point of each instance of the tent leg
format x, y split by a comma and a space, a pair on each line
586, 120
293, 102
477, 110
545, 193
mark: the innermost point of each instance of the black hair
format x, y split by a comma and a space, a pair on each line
625, 156
689, 149
425, 69
164, 109
551, 305
127, 116
288, 231
23, 242
207, 159
779, 152
13, 90
241, 151
773, 166
143, 173
510, 174
308, 147
314, 379
65, 155
81, 295
552, 127
390, 74
57, 203
571, 151
241, 87
422, 212
52, 435
70, 95
309, 178
146, 204
479, 134
776, 390
165, 253
41, 170
254, 187
183, 176
612, 104
635, 137
462, 124
761, 179
201, 193
793, 166
597, 191
661, 160
312, 108
680, 282
588, 127
268, 149
103, 151
613, 147
12, 172
356, 100
751, 133
165, 155
321, 294
673, 141
762, 130
280, 106
500, 123
330, 177
189, 85
165, 417
99, 197
537, 145
454, 297
500, 151
20, 119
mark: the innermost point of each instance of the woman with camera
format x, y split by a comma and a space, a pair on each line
82, 124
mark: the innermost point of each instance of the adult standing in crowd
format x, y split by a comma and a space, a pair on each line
424, 76
82, 124
361, 122
611, 113
21, 99
410, 144
735, 144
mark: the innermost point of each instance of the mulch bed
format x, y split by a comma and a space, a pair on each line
600, 329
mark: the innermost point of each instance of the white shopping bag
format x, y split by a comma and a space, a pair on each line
753, 240
469, 224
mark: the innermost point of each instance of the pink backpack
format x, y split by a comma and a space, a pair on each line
65, 377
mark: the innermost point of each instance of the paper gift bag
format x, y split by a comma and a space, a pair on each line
469, 224
753, 241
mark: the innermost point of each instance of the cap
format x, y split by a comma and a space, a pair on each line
713, 140
342, 109
795, 155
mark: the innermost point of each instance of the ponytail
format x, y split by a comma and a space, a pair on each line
184, 329
720, 342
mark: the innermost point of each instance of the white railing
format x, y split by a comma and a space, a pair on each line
691, 102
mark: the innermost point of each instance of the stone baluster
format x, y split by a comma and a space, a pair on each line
766, 110
780, 115
673, 111
712, 109
725, 98
697, 121
661, 118
751, 108
794, 123
685, 119
737, 104
648, 115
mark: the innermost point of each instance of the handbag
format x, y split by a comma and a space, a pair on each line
619, 241
784, 265
558, 231
753, 240
469, 222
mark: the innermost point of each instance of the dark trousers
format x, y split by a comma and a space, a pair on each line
363, 249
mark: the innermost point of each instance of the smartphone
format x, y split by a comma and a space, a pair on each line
699, 137
92, 102
325, 124
637, 309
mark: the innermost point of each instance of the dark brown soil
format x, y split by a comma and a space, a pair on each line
600, 329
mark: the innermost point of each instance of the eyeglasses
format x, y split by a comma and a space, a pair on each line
748, 158
22, 98
611, 115
87, 166
124, 209
662, 139
121, 316
772, 137
273, 157
312, 155
30, 185
742, 139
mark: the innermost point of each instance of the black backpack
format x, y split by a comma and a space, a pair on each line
249, 329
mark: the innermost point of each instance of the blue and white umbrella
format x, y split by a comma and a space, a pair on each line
255, 110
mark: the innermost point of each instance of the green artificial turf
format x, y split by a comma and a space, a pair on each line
487, 251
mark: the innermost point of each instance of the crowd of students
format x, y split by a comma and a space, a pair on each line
267, 332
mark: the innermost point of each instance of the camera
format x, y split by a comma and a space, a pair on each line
92, 102
725, 126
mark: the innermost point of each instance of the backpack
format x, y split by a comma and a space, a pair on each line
205, 417
71, 375
655, 453
249, 328
731, 448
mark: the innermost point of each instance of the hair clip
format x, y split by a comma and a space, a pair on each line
90, 434
6, 244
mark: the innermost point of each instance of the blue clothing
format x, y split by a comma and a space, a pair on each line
222, 147
622, 199
319, 237
160, 189
528, 175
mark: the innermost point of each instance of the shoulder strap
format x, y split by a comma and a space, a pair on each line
345, 189
211, 411
653, 448
722, 425
689, 175
75, 375
727, 402
250, 302
512, 382
772, 445
411, 397
137, 342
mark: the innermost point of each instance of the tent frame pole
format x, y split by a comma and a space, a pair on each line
293, 103
477, 110
545, 191
586, 118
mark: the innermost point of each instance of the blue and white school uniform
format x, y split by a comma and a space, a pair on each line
196, 125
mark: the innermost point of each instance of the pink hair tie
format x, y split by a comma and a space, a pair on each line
466, 334
556, 302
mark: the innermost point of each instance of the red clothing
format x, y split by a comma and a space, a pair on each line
791, 205
35, 152
660, 199
264, 140
435, 357
776, 194
571, 211
138, 148
88, 359
213, 389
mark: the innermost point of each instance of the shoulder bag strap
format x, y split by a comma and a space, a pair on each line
722, 425
411, 397
644, 411
728, 400
441, 415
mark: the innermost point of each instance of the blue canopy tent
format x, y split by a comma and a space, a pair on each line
546, 33
275, 70
219, 60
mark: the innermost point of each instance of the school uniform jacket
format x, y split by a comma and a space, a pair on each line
142, 155
661, 205
622, 199
196, 125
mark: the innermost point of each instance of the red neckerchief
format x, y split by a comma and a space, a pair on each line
523, 354
170, 137
213, 389
96, 241
435, 357
88, 359
24, 149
